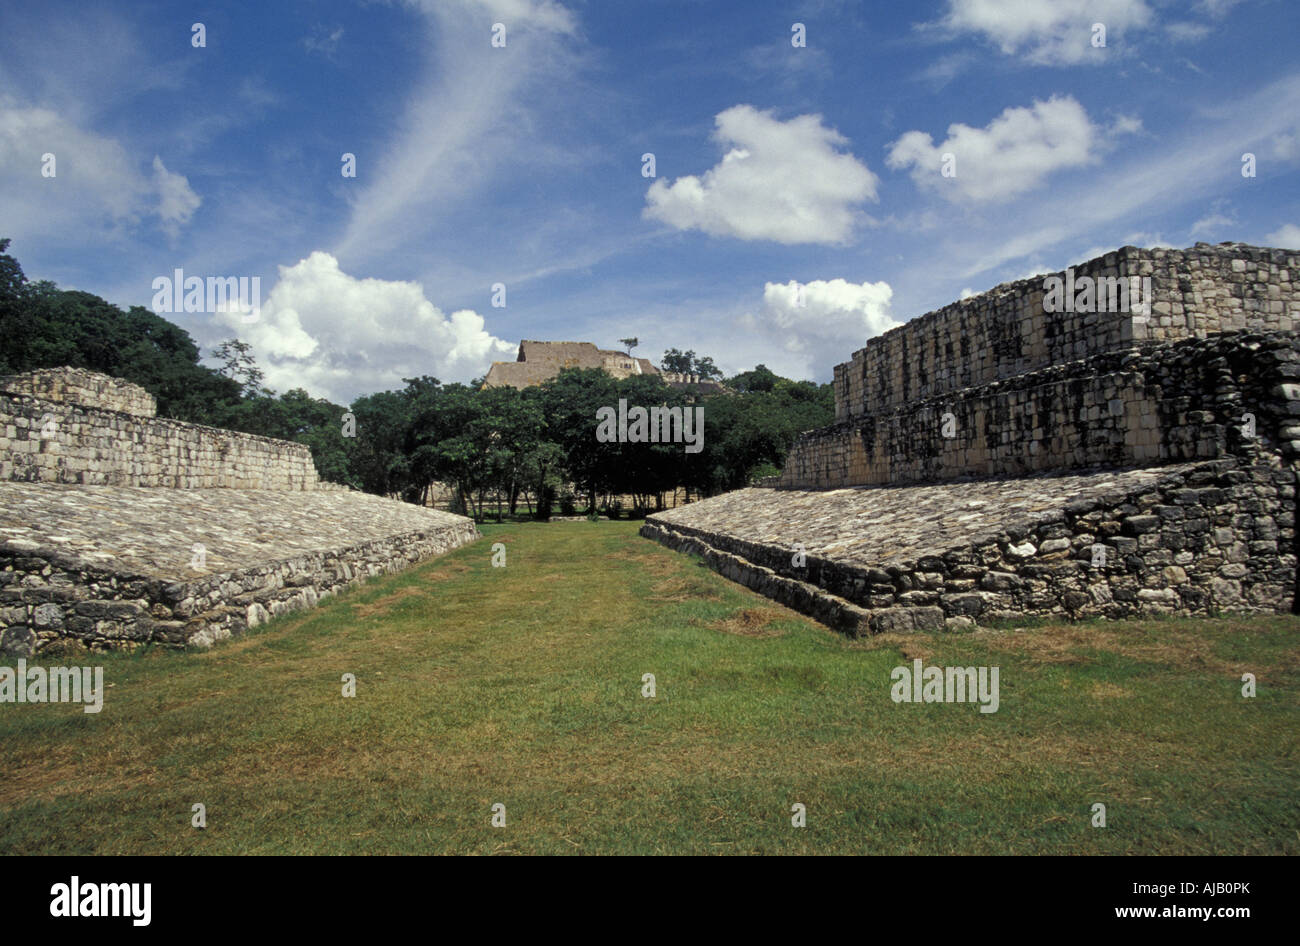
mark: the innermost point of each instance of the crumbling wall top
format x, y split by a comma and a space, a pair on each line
82, 387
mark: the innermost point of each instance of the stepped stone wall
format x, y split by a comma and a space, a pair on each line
118, 527
1183, 539
1156, 404
1006, 332
48, 434
985, 454
106, 567
83, 387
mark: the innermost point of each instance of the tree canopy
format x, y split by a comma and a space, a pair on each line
497, 444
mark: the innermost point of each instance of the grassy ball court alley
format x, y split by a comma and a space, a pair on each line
524, 686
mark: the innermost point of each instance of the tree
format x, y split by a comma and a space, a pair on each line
686, 362
14, 314
379, 456
629, 344
238, 364
706, 370
677, 361
46, 327
759, 379
570, 402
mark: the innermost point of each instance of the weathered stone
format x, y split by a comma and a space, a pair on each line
1000, 581
97, 545
17, 641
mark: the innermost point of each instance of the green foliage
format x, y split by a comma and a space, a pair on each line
485, 442
686, 362
761, 379
46, 327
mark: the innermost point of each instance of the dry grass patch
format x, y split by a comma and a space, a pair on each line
384, 604
445, 572
1177, 647
683, 589
652, 564
911, 646
750, 622
1110, 691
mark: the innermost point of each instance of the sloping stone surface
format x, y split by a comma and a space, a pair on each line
1181, 539
151, 532
897, 525
113, 566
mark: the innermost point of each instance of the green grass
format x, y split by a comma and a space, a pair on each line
522, 685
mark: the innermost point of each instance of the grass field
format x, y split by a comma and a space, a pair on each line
523, 686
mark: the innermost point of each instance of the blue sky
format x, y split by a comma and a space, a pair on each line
798, 206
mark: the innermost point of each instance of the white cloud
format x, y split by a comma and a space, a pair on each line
1216, 8
1011, 155
819, 323
339, 336
323, 41
1185, 169
1286, 237
96, 180
1212, 223
1046, 32
176, 199
781, 181
541, 14
473, 107
1183, 32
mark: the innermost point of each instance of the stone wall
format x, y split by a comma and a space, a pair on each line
1006, 332
119, 528
84, 387
1202, 538
48, 598
994, 416
50, 437
1140, 406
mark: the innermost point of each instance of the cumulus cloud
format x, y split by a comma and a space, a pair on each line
1046, 32
1009, 156
782, 181
176, 200
1286, 236
820, 322
96, 179
339, 336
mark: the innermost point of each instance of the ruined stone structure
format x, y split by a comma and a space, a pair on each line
539, 362
76, 426
118, 527
1157, 440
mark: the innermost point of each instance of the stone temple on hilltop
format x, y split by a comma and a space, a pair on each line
118, 527
539, 362
1128, 450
